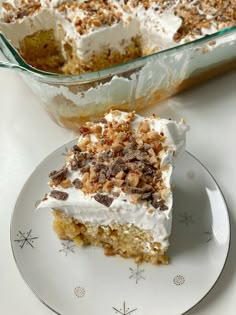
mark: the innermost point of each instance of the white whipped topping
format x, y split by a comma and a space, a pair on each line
122, 210
116, 37
156, 30
19, 29
156, 27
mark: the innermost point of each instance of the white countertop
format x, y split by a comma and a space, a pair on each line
27, 135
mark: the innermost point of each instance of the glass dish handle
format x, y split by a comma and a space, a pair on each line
14, 59
10, 53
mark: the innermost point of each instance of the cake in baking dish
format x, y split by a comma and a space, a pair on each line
114, 190
71, 37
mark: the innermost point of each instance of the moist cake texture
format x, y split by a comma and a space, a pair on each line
92, 35
114, 190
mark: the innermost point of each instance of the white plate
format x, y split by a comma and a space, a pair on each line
72, 281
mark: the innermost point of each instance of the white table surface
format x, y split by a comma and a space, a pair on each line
27, 135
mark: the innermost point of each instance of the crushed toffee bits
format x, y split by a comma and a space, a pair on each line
77, 183
103, 199
59, 195
120, 160
58, 176
27, 8
195, 15
96, 13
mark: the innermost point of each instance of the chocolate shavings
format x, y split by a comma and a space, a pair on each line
58, 176
59, 195
103, 199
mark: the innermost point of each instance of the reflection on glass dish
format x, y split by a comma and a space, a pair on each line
127, 57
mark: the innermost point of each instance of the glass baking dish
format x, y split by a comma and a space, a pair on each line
134, 85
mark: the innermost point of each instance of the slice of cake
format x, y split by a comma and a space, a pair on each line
114, 190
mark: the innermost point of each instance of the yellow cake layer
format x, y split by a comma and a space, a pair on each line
127, 241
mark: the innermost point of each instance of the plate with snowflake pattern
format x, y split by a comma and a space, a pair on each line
73, 280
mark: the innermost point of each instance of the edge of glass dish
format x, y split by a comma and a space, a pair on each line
106, 72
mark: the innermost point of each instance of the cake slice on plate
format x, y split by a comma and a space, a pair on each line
114, 190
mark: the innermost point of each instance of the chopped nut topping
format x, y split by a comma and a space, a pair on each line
77, 183
144, 126
133, 178
66, 183
120, 158
102, 177
84, 130
146, 196
76, 149
117, 167
120, 175
102, 121
158, 203
95, 14
25, 8
92, 175
7, 6
195, 15
116, 147
58, 176
107, 187
118, 182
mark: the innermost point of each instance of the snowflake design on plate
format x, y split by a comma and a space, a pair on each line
137, 274
25, 238
186, 218
124, 310
179, 280
190, 174
79, 292
67, 247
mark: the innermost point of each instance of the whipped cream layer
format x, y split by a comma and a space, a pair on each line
134, 203
91, 26
88, 29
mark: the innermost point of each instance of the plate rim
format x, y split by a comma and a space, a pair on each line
69, 144
229, 229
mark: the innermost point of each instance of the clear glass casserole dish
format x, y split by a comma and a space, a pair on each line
134, 85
